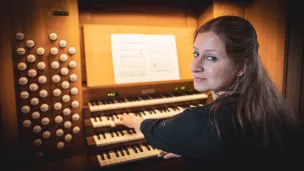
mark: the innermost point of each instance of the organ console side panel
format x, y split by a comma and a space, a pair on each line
7, 94
47, 73
270, 28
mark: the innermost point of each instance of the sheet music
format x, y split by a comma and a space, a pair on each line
144, 58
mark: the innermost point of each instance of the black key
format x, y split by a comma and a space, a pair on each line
108, 155
116, 153
128, 153
102, 157
140, 149
134, 149
112, 134
104, 136
146, 145
120, 131
98, 137
129, 131
121, 152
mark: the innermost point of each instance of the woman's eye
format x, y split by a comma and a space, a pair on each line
195, 54
211, 58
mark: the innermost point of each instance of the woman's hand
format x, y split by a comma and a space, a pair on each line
130, 120
166, 155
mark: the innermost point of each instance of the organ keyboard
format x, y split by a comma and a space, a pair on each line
111, 145
126, 154
100, 105
104, 121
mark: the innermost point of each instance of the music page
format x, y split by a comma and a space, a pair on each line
144, 58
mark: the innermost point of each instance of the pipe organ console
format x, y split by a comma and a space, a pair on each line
110, 146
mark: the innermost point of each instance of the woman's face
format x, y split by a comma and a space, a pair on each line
211, 67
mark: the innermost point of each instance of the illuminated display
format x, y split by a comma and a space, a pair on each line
180, 88
112, 94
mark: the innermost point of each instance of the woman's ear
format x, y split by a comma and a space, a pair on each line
241, 71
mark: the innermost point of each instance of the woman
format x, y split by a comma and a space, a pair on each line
248, 126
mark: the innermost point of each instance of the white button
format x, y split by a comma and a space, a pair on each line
35, 115
56, 78
41, 65
57, 92
40, 51
65, 85
22, 66
31, 58
33, 87
54, 51
67, 111
76, 117
66, 98
39, 155
37, 142
20, 51
25, 109
73, 77
37, 129
72, 64
68, 137
74, 91
55, 65
58, 119
43, 93
24, 95
30, 43
44, 107
19, 36
62, 43
34, 101
64, 57
60, 145
59, 132
32, 73
53, 36
72, 50
23, 80
64, 71
76, 129
46, 134
26, 123
75, 104
57, 106
42, 79
67, 124
45, 121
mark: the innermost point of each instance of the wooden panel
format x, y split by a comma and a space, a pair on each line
110, 14
37, 25
7, 93
268, 18
294, 81
227, 8
98, 51
205, 16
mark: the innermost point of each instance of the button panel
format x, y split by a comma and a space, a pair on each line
48, 98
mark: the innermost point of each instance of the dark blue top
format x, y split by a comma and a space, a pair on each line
193, 135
